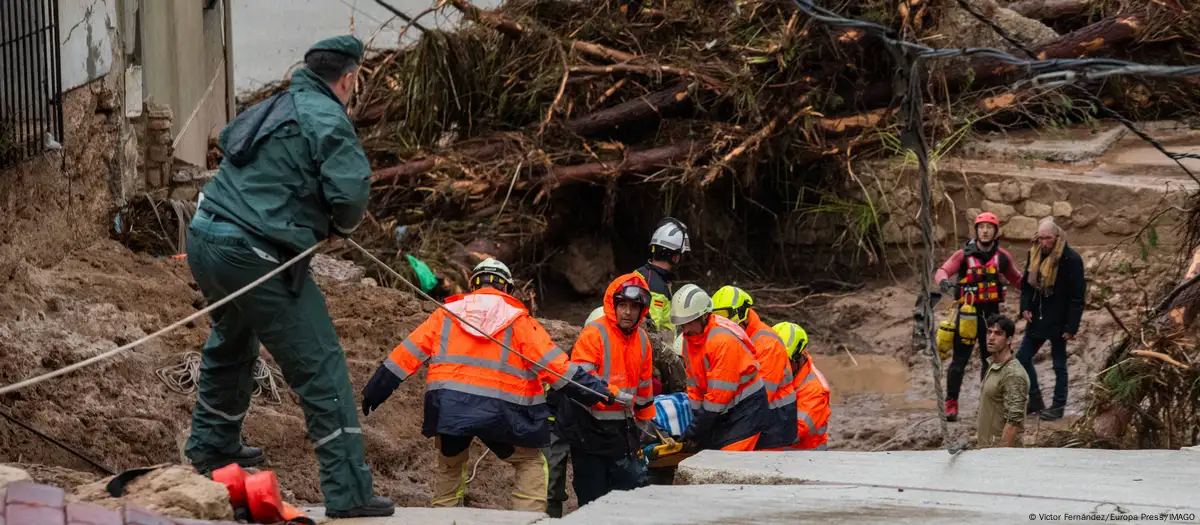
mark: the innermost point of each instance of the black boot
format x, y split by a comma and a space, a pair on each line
1052, 414
377, 506
1035, 405
244, 457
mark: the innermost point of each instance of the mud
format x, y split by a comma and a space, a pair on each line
122, 415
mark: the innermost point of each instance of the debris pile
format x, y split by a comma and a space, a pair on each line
503, 131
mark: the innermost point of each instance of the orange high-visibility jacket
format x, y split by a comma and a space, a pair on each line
476, 387
624, 361
812, 407
775, 369
727, 396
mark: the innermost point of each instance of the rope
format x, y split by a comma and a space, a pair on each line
111, 353
467, 323
183, 377
475, 469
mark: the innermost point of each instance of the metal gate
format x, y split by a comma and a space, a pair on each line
31, 115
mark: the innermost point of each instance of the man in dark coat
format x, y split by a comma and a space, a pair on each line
1052, 300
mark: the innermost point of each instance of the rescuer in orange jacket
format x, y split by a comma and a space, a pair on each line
812, 390
605, 439
728, 400
477, 388
774, 367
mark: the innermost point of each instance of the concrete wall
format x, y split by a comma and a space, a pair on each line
86, 30
182, 57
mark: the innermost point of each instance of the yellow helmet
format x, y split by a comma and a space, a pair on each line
794, 337
732, 302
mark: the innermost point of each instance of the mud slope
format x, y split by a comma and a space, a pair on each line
123, 415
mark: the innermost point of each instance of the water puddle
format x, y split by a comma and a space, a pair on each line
866, 374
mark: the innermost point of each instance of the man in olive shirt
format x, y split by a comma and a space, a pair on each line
1005, 390
294, 173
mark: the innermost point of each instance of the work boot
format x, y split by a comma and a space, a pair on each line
1035, 405
377, 506
1052, 414
951, 410
244, 457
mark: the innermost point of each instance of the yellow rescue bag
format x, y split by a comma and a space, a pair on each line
968, 320
946, 333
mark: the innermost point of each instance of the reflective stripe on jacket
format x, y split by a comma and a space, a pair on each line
660, 296
624, 361
812, 408
775, 370
727, 397
476, 387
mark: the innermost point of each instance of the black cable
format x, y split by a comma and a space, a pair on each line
1111, 113
60, 444
401, 14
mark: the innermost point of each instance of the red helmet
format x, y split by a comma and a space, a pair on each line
988, 218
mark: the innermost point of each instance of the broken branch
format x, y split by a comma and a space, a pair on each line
632, 162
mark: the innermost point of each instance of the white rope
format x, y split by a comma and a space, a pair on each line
111, 353
475, 469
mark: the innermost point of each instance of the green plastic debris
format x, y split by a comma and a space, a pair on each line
424, 275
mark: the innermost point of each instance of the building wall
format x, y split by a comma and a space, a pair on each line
86, 31
271, 36
182, 58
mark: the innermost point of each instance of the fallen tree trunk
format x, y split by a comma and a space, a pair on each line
486, 151
630, 111
633, 161
1050, 9
1085, 42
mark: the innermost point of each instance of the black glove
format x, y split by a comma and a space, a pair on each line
947, 286
690, 447
378, 389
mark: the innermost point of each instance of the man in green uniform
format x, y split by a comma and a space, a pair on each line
1005, 393
294, 173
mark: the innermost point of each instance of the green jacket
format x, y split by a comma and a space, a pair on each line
293, 168
660, 295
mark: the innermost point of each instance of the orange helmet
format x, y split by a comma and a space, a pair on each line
988, 218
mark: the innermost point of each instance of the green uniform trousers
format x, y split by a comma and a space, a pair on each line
298, 332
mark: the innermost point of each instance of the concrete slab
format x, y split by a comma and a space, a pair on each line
828, 504
1141, 478
428, 516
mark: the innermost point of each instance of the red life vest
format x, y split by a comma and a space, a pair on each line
982, 279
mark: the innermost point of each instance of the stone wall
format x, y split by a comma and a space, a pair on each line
1094, 211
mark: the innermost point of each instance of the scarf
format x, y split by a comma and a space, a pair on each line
1043, 270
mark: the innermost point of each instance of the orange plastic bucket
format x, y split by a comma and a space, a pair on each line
266, 502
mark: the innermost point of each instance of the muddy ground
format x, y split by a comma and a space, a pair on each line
120, 413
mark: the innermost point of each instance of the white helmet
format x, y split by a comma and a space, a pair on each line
596, 314
689, 303
490, 271
670, 234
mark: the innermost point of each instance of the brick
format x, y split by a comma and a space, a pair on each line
135, 515
88, 514
158, 111
158, 124
26, 514
34, 494
154, 177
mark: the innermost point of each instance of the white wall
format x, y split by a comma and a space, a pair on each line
270, 36
86, 30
